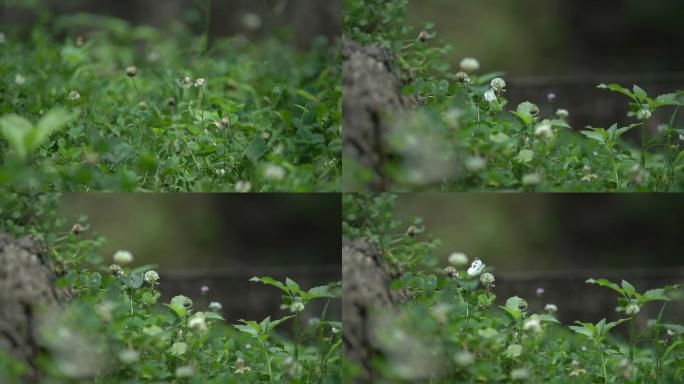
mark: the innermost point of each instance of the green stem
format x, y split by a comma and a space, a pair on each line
612, 160
631, 341
268, 362
296, 337
603, 361
644, 131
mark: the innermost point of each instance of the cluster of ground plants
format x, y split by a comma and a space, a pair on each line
113, 329
89, 102
452, 327
465, 136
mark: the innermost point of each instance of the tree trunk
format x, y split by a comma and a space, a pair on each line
26, 281
365, 290
371, 89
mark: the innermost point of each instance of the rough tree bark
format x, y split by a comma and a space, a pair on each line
365, 289
26, 281
371, 88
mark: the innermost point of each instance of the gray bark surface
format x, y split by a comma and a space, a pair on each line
371, 88
26, 281
365, 290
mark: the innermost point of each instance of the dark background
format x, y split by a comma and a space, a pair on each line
566, 47
558, 241
222, 240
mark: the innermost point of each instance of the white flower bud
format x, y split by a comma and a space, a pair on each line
544, 129
123, 257
498, 84
470, 64
487, 279
199, 83
151, 277
551, 308
198, 322
215, 306
458, 259
563, 113
533, 324
644, 114
74, 96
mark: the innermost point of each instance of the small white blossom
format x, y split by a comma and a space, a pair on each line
251, 21
199, 83
274, 172
470, 64
498, 84
152, 277
533, 324
74, 96
204, 289
123, 257
297, 305
540, 292
220, 172
198, 322
243, 186
475, 164
632, 308
544, 129
458, 259
463, 78
116, 270
520, 374
464, 358
563, 113
241, 367
451, 271
487, 279
215, 306
184, 371
266, 135
551, 97
185, 82
644, 114
551, 308
531, 179
129, 356
490, 96
476, 268
19, 79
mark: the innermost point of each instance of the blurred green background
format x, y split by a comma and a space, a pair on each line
214, 231
559, 37
527, 233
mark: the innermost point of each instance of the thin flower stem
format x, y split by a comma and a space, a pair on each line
644, 131
268, 362
603, 361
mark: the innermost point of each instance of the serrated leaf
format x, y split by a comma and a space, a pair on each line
607, 284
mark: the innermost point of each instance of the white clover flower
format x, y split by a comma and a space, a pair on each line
129, 356
544, 129
498, 84
458, 259
220, 172
19, 79
297, 305
531, 179
199, 83
450, 271
266, 135
464, 358
475, 164
123, 257
490, 96
551, 308
644, 114
74, 96
116, 270
533, 324
241, 367
251, 21
185, 82
215, 306
632, 308
463, 78
476, 268
520, 374
152, 277
131, 71
470, 64
198, 322
243, 186
487, 279
184, 372
563, 113
274, 172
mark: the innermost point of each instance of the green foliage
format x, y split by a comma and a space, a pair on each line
112, 328
465, 137
239, 115
450, 328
